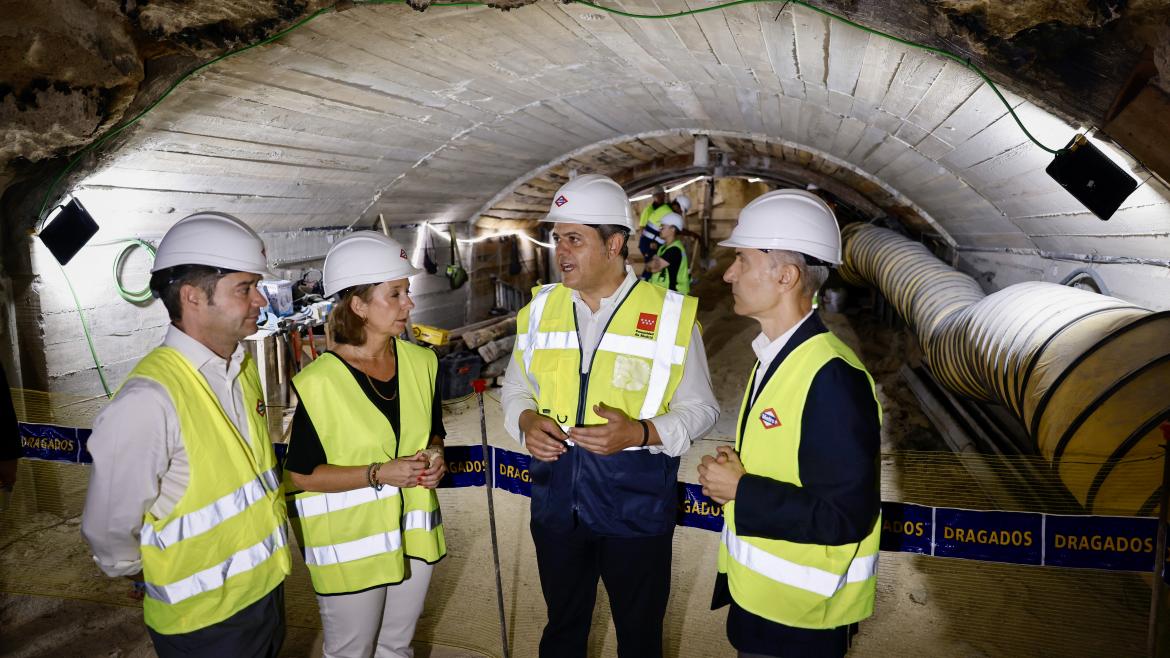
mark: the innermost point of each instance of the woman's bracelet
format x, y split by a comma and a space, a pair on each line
372, 476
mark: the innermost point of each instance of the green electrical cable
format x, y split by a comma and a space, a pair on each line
85, 329
132, 296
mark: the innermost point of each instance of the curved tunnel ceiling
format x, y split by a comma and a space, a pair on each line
434, 116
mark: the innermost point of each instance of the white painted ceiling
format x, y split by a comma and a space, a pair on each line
436, 116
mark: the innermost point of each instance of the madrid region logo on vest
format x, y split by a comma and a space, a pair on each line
647, 323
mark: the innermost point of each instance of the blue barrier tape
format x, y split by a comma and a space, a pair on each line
1083, 542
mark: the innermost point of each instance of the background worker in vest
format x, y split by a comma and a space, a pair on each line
800, 491
365, 456
651, 238
649, 223
184, 482
608, 385
670, 267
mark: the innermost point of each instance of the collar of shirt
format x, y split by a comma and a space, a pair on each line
606, 305
205, 361
767, 350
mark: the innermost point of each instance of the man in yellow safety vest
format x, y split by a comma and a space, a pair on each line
798, 559
185, 496
607, 387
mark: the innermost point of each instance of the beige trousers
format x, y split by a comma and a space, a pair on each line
378, 622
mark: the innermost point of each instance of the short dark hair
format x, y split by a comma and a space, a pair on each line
345, 325
165, 284
609, 230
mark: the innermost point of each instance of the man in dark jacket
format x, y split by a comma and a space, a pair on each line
798, 560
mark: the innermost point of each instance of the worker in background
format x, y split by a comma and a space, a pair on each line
184, 497
607, 387
798, 560
670, 267
650, 224
365, 455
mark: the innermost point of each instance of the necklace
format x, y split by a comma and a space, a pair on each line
377, 392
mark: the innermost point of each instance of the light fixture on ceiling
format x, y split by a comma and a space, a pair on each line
1090, 176
66, 230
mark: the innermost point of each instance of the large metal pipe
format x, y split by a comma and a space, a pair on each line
1087, 375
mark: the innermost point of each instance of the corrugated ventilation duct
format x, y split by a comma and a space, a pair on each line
1087, 375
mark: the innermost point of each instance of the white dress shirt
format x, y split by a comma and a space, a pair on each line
767, 350
139, 462
693, 409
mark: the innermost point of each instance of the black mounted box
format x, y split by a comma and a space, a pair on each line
1091, 177
68, 230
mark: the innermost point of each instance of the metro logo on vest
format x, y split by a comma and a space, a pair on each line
261, 408
647, 323
769, 418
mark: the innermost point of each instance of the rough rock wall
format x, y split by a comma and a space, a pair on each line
70, 70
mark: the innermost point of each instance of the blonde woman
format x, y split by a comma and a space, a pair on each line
365, 456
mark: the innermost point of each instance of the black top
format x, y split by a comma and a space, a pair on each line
305, 451
10, 447
673, 258
837, 504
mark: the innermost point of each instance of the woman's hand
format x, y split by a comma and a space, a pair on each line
436, 468
404, 471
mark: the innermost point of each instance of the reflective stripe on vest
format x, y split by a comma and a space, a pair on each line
206, 518
812, 579
422, 520
333, 502
214, 577
357, 549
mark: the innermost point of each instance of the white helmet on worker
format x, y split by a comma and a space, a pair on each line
213, 239
672, 219
365, 257
684, 203
792, 220
591, 199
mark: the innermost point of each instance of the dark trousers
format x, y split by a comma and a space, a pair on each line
636, 573
257, 631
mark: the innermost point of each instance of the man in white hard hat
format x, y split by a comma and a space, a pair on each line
184, 498
607, 386
798, 560
670, 267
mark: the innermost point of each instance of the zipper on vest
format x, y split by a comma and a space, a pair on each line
583, 383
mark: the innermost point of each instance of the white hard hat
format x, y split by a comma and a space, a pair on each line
672, 219
214, 239
684, 202
792, 220
365, 257
591, 199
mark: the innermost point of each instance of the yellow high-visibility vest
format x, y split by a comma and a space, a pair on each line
357, 539
682, 282
637, 365
800, 585
224, 546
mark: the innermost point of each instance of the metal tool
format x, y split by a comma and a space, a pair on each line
480, 385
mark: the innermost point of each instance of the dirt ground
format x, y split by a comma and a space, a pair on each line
56, 604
